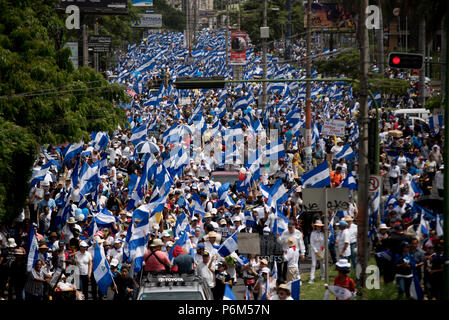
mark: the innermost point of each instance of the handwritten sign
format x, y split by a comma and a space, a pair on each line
248, 243
334, 127
314, 199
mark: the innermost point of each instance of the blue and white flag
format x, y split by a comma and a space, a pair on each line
436, 121
102, 273
228, 246
424, 227
249, 219
416, 291
275, 150
137, 237
72, 151
184, 242
139, 134
346, 153
33, 250
295, 288
318, 177
228, 294
105, 219
349, 182
280, 223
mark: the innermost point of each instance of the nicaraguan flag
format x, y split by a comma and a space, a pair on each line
414, 188
72, 151
280, 223
349, 182
33, 250
102, 273
228, 246
318, 177
105, 219
137, 237
416, 292
275, 150
436, 121
295, 288
346, 153
139, 134
228, 294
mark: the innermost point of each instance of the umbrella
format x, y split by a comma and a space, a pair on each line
147, 147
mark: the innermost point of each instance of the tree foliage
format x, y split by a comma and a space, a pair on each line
42, 98
344, 64
252, 19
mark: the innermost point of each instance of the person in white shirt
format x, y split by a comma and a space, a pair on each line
344, 167
352, 227
291, 256
317, 249
83, 260
439, 181
343, 242
402, 161
394, 173
206, 269
116, 251
297, 235
336, 149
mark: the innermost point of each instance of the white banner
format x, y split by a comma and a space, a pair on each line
334, 127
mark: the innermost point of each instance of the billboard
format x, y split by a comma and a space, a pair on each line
331, 16
148, 21
99, 43
238, 47
142, 3
74, 49
95, 4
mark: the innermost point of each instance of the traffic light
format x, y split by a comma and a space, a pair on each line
200, 83
401, 60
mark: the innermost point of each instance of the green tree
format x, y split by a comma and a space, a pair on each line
42, 98
252, 19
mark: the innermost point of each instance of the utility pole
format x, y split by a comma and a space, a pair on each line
308, 147
380, 41
288, 34
85, 47
446, 173
363, 194
195, 19
96, 58
227, 32
422, 50
238, 17
264, 60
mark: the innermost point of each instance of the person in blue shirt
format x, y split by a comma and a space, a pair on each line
403, 266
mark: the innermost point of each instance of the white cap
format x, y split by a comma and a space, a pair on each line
266, 270
165, 234
266, 229
114, 262
83, 244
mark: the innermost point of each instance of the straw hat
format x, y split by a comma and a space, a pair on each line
11, 243
319, 223
156, 243
291, 242
283, 286
212, 234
